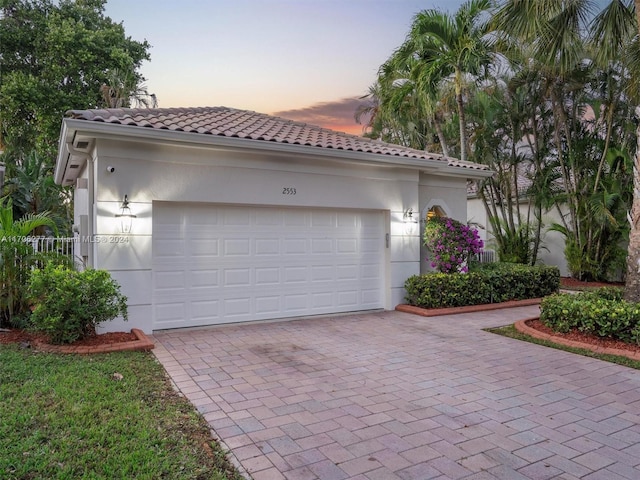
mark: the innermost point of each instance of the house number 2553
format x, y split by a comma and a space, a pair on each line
288, 191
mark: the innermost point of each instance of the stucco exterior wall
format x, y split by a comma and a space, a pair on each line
147, 173
552, 249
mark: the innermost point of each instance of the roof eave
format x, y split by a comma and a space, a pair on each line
71, 127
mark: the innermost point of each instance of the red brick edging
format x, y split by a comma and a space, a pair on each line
142, 343
522, 327
433, 312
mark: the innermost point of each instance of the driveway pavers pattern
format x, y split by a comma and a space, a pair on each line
390, 395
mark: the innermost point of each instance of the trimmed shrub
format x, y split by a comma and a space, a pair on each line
70, 304
602, 312
490, 283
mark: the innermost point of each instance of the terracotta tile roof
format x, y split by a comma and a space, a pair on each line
229, 122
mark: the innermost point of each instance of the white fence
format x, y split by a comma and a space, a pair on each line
53, 245
485, 256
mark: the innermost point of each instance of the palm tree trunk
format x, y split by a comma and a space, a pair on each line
632, 286
461, 116
441, 138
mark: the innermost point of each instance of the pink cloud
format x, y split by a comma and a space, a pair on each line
337, 115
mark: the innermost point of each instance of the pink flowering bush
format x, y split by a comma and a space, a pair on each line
450, 244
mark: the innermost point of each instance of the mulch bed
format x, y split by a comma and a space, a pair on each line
23, 336
587, 339
568, 282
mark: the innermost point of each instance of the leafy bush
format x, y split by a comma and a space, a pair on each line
602, 312
17, 260
450, 243
489, 283
70, 304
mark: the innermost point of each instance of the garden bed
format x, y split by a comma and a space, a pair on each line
535, 328
135, 340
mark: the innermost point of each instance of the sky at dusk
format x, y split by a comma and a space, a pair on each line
306, 60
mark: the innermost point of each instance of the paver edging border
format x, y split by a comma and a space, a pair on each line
434, 312
522, 327
142, 343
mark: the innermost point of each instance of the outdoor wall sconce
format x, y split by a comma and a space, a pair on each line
408, 216
125, 216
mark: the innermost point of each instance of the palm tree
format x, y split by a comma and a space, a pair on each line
16, 259
552, 32
123, 90
441, 47
32, 190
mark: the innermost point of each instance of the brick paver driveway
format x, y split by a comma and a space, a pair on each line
391, 395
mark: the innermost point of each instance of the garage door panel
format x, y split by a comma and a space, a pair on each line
322, 219
202, 247
347, 272
267, 276
321, 246
236, 246
204, 278
267, 246
295, 246
347, 245
321, 273
169, 312
236, 277
370, 271
295, 274
267, 305
262, 263
234, 307
168, 248
349, 220
205, 309
348, 298
235, 216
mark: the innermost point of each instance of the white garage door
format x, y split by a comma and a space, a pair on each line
216, 264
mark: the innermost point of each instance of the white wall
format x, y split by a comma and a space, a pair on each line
552, 248
148, 173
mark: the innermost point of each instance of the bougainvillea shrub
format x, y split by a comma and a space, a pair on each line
450, 244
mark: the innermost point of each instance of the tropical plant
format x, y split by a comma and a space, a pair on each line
17, 260
450, 244
440, 49
32, 190
123, 89
578, 82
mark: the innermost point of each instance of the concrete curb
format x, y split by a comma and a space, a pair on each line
522, 327
142, 343
434, 312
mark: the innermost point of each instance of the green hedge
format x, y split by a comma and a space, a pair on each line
70, 304
490, 283
601, 312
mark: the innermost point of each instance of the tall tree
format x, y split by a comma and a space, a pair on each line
439, 48
55, 56
579, 82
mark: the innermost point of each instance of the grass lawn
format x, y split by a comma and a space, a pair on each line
67, 416
511, 332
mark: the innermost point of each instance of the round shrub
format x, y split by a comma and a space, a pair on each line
70, 304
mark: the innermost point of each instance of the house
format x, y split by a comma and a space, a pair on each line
215, 215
